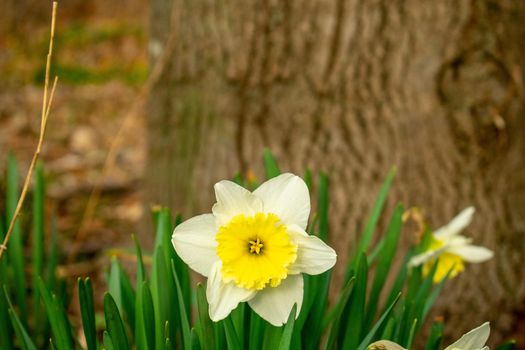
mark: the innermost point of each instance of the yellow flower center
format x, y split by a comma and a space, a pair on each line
255, 251
446, 262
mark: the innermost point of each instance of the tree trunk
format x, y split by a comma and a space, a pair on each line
353, 88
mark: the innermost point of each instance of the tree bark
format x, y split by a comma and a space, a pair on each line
354, 87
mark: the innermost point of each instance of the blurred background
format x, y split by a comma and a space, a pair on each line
159, 100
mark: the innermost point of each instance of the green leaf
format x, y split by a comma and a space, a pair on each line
195, 344
60, 327
114, 324
145, 327
162, 282
271, 168
368, 232
370, 336
23, 337
6, 341
128, 296
400, 279
286, 337
87, 310
323, 202
431, 299
106, 340
231, 336
272, 337
53, 255
238, 319
186, 332
114, 283
15, 249
205, 328
434, 339
311, 331
141, 273
510, 345
354, 324
308, 179
162, 293
412, 333
335, 317
256, 331
386, 256
38, 240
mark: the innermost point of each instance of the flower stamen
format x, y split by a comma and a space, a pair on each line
256, 246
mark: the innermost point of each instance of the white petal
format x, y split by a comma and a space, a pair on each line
426, 256
457, 224
223, 297
313, 255
473, 340
472, 253
286, 196
194, 241
275, 304
233, 200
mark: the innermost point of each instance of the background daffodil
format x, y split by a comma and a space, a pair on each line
473, 340
254, 247
451, 249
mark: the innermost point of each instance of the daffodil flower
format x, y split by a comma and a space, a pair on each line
451, 249
473, 340
253, 248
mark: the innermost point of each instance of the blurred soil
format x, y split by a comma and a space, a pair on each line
100, 56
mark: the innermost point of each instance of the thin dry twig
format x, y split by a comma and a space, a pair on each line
46, 107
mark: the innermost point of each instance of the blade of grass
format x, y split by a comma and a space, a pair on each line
186, 332
356, 310
128, 298
21, 333
114, 284
53, 256
6, 339
434, 339
370, 336
272, 337
57, 316
87, 311
286, 337
311, 331
141, 273
195, 344
337, 313
114, 324
271, 169
106, 340
387, 255
38, 239
368, 232
510, 345
412, 333
256, 331
206, 332
231, 336
16, 250
323, 201
148, 316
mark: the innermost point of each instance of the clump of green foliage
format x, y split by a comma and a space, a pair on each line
160, 307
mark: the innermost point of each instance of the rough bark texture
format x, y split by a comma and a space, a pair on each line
353, 88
